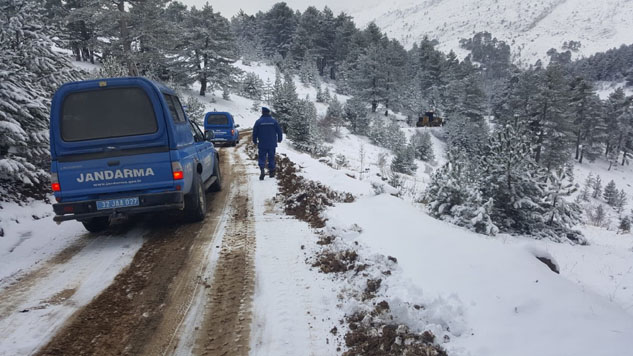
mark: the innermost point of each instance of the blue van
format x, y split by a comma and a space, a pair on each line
124, 146
223, 127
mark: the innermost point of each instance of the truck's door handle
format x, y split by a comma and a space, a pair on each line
113, 163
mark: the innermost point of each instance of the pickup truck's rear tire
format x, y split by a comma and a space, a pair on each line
217, 185
196, 201
97, 224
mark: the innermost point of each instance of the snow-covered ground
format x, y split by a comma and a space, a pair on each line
294, 306
511, 302
604, 89
487, 295
496, 296
50, 271
531, 28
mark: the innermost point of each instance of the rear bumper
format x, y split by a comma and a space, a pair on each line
86, 209
221, 140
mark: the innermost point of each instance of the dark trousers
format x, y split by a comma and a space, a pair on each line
264, 154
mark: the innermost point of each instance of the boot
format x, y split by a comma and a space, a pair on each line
272, 173
262, 174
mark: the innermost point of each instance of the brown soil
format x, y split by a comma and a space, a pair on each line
303, 198
331, 262
368, 335
141, 311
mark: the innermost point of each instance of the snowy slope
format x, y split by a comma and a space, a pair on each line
496, 296
531, 27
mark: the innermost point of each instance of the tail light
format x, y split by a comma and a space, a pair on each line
232, 132
177, 172
55, 183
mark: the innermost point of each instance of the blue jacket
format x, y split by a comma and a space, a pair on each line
266, 132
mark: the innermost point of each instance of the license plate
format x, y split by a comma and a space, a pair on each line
117, 203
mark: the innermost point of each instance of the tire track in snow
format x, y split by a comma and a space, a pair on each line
144, 306
227, 316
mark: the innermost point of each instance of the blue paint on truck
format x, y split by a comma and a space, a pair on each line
223, 126
124, 146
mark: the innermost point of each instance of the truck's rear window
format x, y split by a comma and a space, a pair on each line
107, 113
217, 119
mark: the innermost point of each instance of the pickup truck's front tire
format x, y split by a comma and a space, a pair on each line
97, 224
196, 201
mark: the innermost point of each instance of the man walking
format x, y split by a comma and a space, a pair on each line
266, 135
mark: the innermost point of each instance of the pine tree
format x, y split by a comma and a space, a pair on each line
303, 131
610, 193
210, 50
249, 45
620, 201
616, 131
110, 68
453, 195
585, 193
598, 216
404, 161
552, 127
423, 146
526, 196
194, 110
625, 225
326, 95
335, 113
31, 72
252, 86
370, 79
588, 123
308, 72
356, 114
597, 188
561, 214
319, 95
284, 101
389, 136
277, 28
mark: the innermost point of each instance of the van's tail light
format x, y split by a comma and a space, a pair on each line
232, 132
176, 169
55, 183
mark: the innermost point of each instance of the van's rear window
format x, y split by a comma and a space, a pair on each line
109, 113
217, 119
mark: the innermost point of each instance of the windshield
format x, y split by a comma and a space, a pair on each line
98, 114
217, 119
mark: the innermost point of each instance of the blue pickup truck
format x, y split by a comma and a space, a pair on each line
223, 127
124, 146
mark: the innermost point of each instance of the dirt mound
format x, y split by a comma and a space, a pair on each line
331, 262
303, 198
368, 335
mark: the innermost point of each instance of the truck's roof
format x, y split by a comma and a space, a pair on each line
86, 84
218, 113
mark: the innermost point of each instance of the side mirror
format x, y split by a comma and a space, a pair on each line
237, 125
209, 135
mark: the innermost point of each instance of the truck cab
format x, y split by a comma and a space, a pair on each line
223, 126
124, 146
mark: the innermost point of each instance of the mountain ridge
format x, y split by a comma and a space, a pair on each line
531, 29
